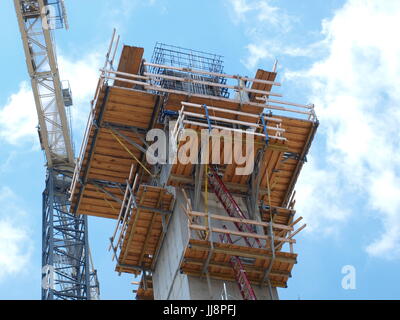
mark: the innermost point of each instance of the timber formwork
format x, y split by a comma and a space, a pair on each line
144, 289
219, 267
262, 263
141, 225
114, 180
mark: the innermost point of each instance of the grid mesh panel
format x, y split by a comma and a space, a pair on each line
186, 58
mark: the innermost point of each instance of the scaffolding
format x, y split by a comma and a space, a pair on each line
141, 226
215, 248
250, 239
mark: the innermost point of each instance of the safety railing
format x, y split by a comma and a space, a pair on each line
108, 64
202, 224
128, 203
151, 82
148, 81
204, 119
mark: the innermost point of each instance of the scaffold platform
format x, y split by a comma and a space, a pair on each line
256, 262
115, 134
206, 254
141, 226
113, 178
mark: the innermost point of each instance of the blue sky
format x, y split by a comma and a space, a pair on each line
343, 56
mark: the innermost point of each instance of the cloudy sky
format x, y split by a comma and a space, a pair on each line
343, 56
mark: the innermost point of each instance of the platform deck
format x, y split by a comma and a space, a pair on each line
144, 232
106, 159
255, 261
280, 164
108, 154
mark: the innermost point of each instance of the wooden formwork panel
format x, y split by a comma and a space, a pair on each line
262, 75
255, 261
145, 289
130, 62
108, 160
108, 156
143, 235
277, 171
97, 203
280, 215
145, 294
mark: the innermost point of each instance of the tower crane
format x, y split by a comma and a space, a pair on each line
67, 268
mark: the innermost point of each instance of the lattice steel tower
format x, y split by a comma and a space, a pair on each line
67, 271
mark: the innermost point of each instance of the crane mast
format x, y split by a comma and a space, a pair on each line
67, 271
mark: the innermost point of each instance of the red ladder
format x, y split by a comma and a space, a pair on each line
243, 282
233, 210
229, 203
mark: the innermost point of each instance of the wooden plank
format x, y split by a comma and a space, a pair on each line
239, 233
226, 218
219, 276
130, 61
227, 265
262, 75
150, 227
247, 252
144, 227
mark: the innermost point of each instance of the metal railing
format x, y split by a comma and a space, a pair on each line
128, 203
149, 82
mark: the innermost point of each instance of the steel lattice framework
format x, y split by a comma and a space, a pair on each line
67, 272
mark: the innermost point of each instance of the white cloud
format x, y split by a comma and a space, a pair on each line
260, 17
240, 8
16, 245
256, 53
83, 75
273, 15
262, 10
314, 193
8, 161
267, 49
356, 90
18, 117
386, 200
118, 12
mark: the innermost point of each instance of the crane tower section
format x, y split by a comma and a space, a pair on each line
66, 265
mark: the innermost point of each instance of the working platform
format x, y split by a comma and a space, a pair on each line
255, 261
141, 226
127, 105
115, 139
208, 252
280, 161
180, 92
